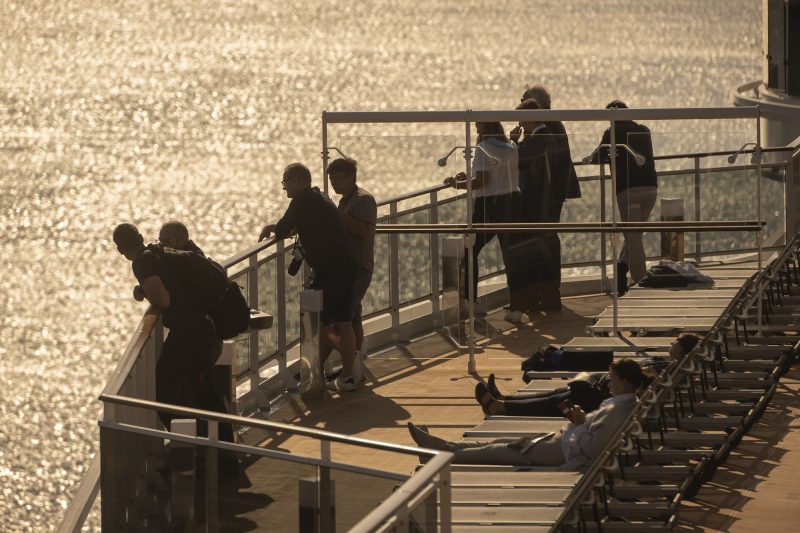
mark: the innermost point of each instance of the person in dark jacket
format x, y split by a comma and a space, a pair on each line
637, 188
564, 185
184, 372
329, 253
530, 256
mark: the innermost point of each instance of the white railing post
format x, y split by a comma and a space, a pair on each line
253, 363
280, 297
612, 159
697, 212
470, 253
434, 260
325, 152
603, 251
394, 275
757, 155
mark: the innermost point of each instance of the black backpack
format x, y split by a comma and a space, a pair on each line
202, 284
231, 315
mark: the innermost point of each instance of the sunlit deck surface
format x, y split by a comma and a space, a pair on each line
427, 382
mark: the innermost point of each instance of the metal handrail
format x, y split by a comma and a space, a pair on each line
436, 460
539, 115
566, 227
190, 412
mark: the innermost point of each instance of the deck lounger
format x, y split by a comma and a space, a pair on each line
723, 294
514, 426
630, 344
666, 303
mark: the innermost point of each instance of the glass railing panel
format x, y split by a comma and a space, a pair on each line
356, 495
378, 295
164, 482
414, 259
396, 164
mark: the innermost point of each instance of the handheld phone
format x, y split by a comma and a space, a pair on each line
566, 408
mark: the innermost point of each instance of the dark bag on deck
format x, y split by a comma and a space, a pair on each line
551, 358
231, 315
202, 283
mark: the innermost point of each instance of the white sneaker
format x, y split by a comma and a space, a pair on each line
341, 384
516, 317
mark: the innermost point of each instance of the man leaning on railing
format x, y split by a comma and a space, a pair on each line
329, 253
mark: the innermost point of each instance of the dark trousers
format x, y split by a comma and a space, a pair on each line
488, 209
184, 372
546, 403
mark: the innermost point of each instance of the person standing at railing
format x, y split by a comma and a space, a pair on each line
184, 372
495, 188
330, 255
564, 185
359, 214
530, 255
637, 189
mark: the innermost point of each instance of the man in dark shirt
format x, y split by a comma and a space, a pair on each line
564, 185
637, 189
531, 262
329, 253
565, 179
184, 372
359, 215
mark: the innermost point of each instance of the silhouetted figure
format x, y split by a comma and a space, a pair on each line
184, 372
637, 189
533, 262
359, 214
495, 188
329, 253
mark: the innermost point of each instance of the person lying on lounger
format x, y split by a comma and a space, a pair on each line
586, 390
572, 447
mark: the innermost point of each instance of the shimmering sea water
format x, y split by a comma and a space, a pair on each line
145, 110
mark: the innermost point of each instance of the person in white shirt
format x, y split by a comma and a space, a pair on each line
495, 185
571, 448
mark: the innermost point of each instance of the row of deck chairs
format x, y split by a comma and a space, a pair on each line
685, 426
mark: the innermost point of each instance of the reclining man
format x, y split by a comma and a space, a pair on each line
571, 448
330, 254
588, 390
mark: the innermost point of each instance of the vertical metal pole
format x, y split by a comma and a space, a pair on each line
612, 152
280, 296
212, 481
325, 152
434, 260
445, 500
758, 213
603, 251
252, 289
394, 275
698, 249
470, 253
325, 486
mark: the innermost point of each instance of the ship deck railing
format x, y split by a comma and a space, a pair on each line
400, 306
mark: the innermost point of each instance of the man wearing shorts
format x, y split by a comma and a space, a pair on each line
329, 253
359, 216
